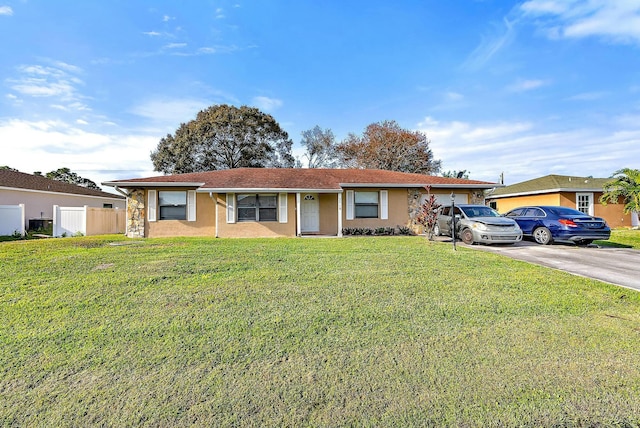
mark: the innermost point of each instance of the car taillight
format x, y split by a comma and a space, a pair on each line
567, 222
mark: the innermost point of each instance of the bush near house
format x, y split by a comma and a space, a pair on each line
370, 331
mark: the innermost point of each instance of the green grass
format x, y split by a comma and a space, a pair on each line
622, 238
388, 331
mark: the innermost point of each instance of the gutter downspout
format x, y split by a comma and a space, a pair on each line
122, 192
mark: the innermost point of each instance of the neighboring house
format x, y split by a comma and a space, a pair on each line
264, 202
39, 195
581, 193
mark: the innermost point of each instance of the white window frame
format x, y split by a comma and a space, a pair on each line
282, 208
383, 204
152, 199
590, 207
258, 207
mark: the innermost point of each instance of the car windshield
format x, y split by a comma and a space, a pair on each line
480, 212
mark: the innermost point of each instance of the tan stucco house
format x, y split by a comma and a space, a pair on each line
39, 194
270, 202
581, 193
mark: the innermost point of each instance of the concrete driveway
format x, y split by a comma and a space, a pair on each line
618, 266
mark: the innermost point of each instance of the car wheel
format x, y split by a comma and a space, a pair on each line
542, 235
467, 236
436, 230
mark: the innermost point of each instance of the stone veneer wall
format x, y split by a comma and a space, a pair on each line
413, 204
477, 197
135, 214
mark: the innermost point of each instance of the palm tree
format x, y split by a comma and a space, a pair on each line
624, 183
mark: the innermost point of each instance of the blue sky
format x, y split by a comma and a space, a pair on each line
524, 88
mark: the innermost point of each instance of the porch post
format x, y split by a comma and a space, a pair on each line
340, 215
298, 229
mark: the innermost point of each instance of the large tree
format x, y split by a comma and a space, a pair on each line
67, 176
385, 145
320, 147
624, 183
224, 137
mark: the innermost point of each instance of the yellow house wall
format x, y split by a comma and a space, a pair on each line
203, 226
507, 204
398, 210
329, 213
254, 229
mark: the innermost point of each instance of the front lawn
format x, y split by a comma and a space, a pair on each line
371, 331
625, 238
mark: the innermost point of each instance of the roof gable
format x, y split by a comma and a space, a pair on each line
298, 178
552, 183
21, 180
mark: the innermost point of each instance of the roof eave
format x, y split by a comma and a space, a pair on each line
422, 185
266, 190
130, 184
544, 191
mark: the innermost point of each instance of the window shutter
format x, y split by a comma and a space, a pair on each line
191, 205
282, 215
350, 207
384, 205
151, 205
231, 208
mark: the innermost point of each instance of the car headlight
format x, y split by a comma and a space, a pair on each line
480, 226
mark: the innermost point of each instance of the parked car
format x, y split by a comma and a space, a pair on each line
477, 223
546, 224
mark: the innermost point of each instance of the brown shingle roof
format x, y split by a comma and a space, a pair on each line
550, 183
20, 180
299, 178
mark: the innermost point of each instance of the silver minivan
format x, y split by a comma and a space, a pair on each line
477, 223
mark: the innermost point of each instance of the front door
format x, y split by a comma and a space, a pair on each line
310, 214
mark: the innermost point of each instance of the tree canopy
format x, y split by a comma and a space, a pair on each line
624, 183
224, 137
385, 145
67, 176
320, 147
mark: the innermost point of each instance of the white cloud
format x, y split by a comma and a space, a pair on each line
266, 103
167, 114
47, 81
55, 144
616, 21
454, 96
587, 96
151, 33
527, 85
6, 10
490, 45
175, 46
524, 150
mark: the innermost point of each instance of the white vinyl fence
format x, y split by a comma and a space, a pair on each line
12, 220
69, 221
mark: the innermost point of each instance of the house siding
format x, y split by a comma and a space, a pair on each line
397, 205
204, 225
39, 204
255, 229
505, 205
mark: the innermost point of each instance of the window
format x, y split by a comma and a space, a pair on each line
173, 205
366, 204
107, 205
257, 207
493, 205
584, 203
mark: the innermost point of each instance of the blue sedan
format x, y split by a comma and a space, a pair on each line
546, 224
